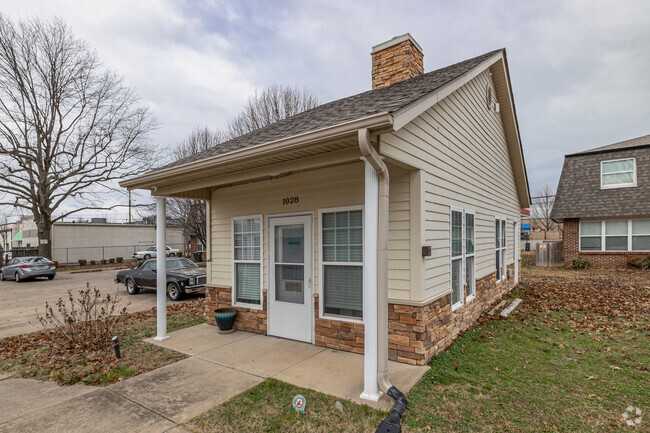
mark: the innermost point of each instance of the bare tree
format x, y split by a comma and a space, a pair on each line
263, 108
270, 105
541, 208
68, 126
190, 214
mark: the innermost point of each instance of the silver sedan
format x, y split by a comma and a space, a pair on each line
25, 268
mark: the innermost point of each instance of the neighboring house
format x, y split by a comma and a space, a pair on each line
300, 214
86, 240
603, 200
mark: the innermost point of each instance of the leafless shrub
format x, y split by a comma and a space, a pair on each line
84, 323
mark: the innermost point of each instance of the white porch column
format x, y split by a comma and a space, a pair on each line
161, 268
370, 223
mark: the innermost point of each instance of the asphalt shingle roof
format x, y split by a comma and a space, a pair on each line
627, 144
579, 194
387, 99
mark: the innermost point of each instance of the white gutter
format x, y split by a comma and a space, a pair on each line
149, 180
373, 158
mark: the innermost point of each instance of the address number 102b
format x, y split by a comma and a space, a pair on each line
289, 200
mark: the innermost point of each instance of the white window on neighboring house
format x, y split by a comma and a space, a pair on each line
342, 263
615, 235
247, 261
640, 235
591, 236
500, 247
618, 173
199, 246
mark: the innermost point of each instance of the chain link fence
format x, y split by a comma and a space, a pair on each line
98, 253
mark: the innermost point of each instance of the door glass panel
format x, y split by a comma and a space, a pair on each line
289, 263
289, 283
289, 244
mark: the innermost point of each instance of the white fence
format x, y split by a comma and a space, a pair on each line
98, 253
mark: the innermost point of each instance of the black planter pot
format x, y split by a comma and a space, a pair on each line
225, 318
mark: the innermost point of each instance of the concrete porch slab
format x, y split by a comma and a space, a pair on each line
185, 389
98, 411
262, 355
341, 374
198, 339
302, 364
21, 396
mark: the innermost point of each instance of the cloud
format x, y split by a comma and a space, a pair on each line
578, 69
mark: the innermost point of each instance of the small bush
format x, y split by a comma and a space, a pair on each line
111, 260
92, 262
639, 262
104, 261
580, 263
179, 254
56, 264
86, 324
82, 262
119, 259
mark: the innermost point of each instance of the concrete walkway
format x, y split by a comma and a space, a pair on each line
219, 367
302, 364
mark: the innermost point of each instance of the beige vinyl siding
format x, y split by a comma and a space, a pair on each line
399, 233
331, 187
460, 147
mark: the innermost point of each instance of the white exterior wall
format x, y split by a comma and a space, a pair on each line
331, 187
460, 147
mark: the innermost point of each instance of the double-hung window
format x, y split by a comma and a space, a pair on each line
500, 247
456, 258
247, 261
618, 173
615, 235
640, 235
463, 267
470, 259
342, 263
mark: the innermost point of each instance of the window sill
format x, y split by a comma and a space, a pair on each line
470, 299
618, 186
341, 318
456, 306
249, 306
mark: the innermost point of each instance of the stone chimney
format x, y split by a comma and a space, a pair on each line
396, 60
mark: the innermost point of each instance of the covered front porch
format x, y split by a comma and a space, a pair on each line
305, 365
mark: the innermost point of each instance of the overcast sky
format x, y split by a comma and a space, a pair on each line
579, 69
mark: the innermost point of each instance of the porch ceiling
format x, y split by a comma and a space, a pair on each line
198, 183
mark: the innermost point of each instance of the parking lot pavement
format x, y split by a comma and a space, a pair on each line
19, 301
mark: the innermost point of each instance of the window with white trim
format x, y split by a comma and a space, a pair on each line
615, 235
456, 258
469, 253
342, 263
500, 247
462, 257
618, 173
247, 261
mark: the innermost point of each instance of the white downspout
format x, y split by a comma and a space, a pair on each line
161, 269
373, 158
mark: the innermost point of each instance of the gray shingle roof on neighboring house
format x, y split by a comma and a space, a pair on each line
627, 144
579, 194
384, 100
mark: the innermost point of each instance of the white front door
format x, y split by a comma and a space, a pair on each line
290, 277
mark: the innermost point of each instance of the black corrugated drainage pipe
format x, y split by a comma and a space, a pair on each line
392, 423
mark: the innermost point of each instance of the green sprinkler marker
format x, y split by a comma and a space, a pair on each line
299, 403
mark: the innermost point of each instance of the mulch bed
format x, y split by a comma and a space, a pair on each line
33, 355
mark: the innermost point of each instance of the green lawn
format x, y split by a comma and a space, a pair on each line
543, 369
